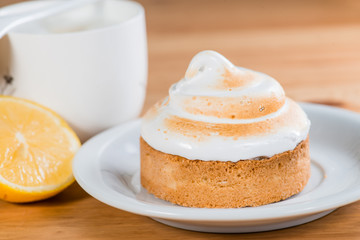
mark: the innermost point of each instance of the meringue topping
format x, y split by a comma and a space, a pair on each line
226, 113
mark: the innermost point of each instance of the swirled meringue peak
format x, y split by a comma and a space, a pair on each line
225, 113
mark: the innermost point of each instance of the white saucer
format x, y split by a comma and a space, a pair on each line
107, 167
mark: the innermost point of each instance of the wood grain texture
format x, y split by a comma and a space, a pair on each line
311, 47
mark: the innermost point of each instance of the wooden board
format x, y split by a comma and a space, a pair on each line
311, 47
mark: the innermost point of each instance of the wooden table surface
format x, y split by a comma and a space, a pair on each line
312, 47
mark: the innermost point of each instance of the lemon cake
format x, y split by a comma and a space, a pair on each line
225, 137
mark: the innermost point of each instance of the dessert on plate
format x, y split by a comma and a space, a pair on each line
225, 137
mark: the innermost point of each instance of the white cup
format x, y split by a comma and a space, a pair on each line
88, 64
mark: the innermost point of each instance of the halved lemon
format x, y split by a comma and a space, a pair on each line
36, 150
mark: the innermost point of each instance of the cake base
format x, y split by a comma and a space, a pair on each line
218, 184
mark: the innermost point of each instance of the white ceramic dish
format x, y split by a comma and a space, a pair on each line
107, 167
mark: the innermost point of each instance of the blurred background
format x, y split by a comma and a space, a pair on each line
311, 47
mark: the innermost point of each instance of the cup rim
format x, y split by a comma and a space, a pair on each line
138, 14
